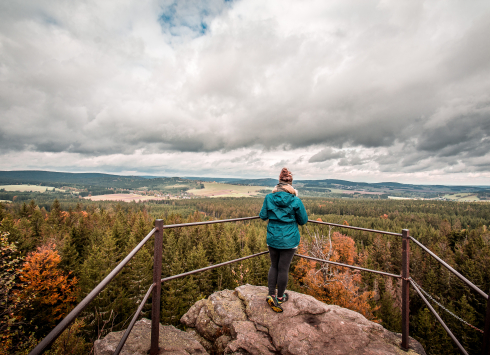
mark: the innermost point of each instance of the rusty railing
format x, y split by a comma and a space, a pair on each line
155, 287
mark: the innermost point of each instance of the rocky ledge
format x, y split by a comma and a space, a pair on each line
241, 322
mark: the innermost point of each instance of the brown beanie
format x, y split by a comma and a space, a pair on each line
286, 176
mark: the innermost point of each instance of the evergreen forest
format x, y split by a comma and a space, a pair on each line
53, 254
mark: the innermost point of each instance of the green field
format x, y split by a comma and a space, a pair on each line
214, 189
28, 188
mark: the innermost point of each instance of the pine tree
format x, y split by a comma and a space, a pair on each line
138, 272
36, 219
389, 313
223, 278
172, 303
69, 256
55, 216
112, 306
24, 212
120, 231
198, 284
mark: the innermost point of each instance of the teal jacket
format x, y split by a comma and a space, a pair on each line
284, 212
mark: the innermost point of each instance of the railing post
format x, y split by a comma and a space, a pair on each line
486, 331
157, 290
405, 287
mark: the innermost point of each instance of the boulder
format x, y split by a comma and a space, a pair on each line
241, 322
171, 341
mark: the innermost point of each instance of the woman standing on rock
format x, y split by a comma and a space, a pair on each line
285, 211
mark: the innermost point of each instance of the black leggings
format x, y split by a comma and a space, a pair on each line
278, 273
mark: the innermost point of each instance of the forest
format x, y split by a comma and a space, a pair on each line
53, 255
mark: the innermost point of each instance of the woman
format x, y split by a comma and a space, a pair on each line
285, 211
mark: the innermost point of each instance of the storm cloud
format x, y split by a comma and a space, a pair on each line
361, 89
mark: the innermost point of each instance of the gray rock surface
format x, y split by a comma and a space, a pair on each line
171, 341
241, 322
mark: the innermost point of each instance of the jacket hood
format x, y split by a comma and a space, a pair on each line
282, 199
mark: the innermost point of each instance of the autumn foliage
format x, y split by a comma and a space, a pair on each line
333, 284
51, 291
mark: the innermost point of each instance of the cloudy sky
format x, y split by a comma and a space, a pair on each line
359, 90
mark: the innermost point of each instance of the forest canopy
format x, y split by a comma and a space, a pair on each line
74, 245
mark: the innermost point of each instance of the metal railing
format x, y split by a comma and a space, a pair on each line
407, 280
155, 287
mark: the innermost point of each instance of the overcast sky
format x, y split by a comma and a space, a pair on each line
357, 90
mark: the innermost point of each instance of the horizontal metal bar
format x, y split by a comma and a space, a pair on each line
55, 333
349, 266
212, 267
356, 228
463, 351
133, 321
464, 279
208, 222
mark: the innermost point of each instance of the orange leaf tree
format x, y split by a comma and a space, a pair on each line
52, 291
333, 284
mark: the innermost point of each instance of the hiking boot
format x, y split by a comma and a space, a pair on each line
272, 301
282, 299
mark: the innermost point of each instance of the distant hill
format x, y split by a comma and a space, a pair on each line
254, 182
383, 190
335, 183
40, 176
223, 180
53, 178
389, 185
325, 187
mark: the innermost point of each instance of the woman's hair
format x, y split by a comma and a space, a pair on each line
286, 175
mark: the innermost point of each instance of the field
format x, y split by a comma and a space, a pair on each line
28, 188
214, 189
462, 197
124, 198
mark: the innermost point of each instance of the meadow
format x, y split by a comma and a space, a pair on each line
462, 197
214, 189
29, 188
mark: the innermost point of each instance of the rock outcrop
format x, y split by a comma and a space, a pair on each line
241, 322
171, 341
